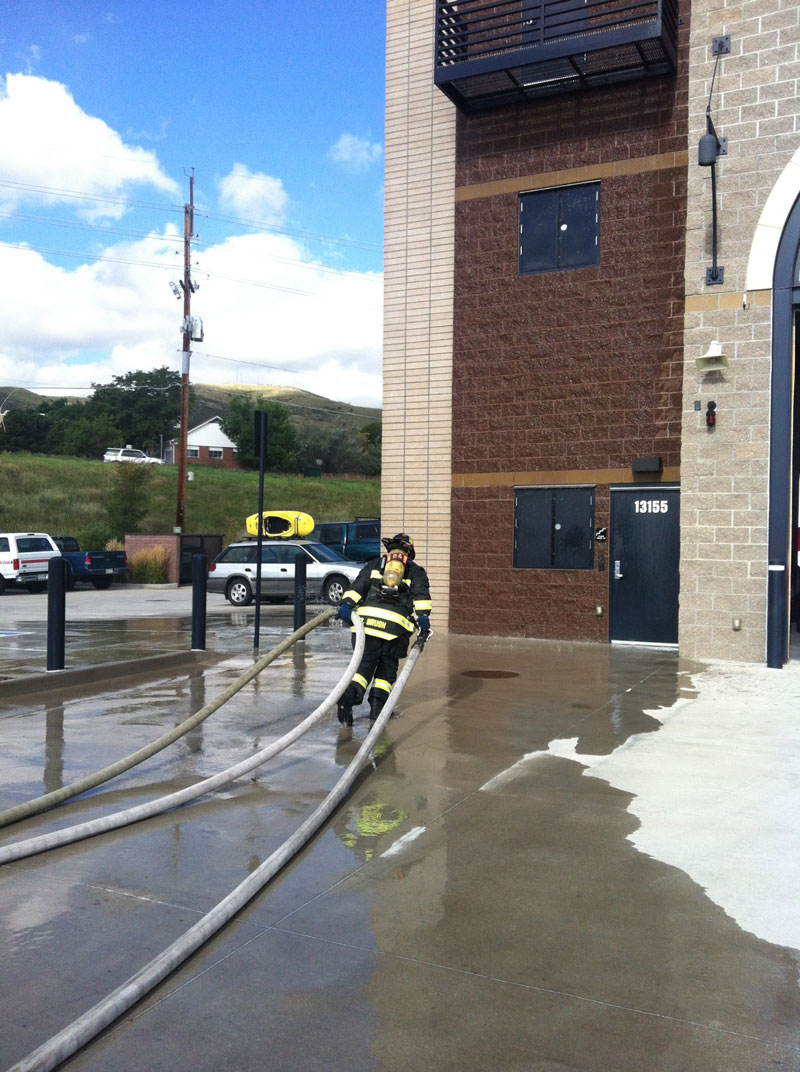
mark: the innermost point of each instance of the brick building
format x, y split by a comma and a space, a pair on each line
207, 444
548, 291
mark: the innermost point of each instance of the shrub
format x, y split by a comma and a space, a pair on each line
127, 501
149, 567
93, 535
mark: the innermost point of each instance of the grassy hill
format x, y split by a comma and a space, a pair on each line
310, 413
213, 400
67, 496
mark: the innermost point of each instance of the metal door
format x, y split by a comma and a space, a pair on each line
644, 555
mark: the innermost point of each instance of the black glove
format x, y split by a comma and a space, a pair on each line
424, 623
345, 612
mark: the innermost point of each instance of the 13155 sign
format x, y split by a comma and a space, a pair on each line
651, 506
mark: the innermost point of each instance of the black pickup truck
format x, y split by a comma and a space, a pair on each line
100, 568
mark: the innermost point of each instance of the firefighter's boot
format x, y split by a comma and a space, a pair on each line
376, 702
345, 707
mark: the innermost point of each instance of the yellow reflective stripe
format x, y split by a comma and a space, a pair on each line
351, 594
379, 633
422, 604
386, 616
376, 575
360, 680
379, 683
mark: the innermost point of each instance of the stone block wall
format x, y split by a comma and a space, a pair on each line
724, 472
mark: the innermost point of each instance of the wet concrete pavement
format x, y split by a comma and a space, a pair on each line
565, 857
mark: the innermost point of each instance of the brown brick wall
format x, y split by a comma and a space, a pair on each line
135, 542
574, 370
489, 597
578, 369
638, 119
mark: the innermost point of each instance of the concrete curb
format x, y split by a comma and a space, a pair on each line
104, 673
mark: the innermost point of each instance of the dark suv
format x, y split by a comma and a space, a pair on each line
233, 572
356, 540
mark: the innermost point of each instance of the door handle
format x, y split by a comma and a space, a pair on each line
617, 572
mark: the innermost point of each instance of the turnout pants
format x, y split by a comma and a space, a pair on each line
378, 664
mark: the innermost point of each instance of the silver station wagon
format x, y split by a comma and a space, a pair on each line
233, 572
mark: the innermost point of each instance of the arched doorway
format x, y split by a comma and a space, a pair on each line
783, 589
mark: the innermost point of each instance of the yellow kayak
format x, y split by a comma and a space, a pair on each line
278, 523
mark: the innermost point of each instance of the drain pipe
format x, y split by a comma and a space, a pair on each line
19, 850
81, 1031
58, 796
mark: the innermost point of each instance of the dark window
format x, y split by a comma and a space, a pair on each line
559, 229
32, 543
4, 543
554, 528
366, 532
243, 553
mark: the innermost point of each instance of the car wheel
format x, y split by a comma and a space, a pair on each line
2, 584
335, 588
101, 582
69, 579
239, 592
35, 587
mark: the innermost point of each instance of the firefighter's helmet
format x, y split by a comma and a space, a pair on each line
401, 541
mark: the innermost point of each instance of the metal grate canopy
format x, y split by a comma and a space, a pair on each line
491, 54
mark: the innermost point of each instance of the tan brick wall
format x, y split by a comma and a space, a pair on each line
418, 296
724, 472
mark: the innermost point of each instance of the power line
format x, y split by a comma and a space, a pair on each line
261, 225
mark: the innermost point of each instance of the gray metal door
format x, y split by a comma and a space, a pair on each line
644, 556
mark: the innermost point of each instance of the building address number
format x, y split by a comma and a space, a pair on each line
651, 506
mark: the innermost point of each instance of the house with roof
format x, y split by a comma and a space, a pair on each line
206, 444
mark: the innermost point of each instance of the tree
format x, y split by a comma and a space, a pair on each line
145, 406
88, 438
127, 501
370, 438
282, 448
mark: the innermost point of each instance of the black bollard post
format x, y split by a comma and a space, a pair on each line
300, 561
56, 612
199, 592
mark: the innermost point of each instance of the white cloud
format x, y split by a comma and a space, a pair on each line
51, 146
355, 154
284, 317
253, 195
262, 301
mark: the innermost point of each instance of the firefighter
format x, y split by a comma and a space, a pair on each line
389, 592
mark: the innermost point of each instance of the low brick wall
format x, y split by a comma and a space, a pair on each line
170, 541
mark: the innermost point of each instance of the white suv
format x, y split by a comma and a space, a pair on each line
233, 572
24, 558
129, 454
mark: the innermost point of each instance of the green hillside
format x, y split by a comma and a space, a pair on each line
67, 496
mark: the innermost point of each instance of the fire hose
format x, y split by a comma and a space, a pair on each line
82, 1030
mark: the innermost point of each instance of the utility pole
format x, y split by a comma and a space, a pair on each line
186, 285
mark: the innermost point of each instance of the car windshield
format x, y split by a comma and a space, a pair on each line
323, 553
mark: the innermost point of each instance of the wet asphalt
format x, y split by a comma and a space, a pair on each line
562, 857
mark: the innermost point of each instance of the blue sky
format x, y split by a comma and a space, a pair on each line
105, 110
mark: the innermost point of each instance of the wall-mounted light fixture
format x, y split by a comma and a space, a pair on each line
711, 147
